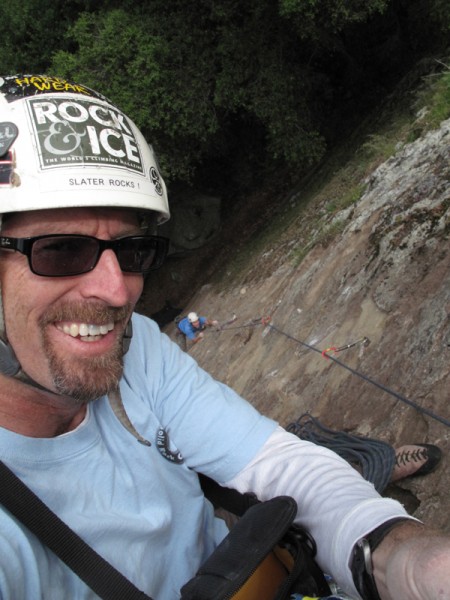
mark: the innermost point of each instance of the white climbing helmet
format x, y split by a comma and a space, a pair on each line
192, 317
64, 145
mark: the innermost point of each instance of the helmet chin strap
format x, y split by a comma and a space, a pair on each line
9, 365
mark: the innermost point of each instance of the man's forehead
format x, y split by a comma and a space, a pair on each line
68, 217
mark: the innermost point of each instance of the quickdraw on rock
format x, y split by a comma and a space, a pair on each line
363, 341
411, 403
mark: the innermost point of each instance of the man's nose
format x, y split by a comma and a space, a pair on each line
108, 282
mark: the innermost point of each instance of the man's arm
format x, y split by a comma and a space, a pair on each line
413, 563
211, 322
205, 322
335, 503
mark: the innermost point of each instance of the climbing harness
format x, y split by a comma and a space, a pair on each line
264, 557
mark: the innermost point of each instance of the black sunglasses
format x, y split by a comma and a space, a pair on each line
65, 255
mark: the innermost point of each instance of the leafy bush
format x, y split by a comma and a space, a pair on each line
240, 90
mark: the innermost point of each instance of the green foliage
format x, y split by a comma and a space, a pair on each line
30, 30
158, 81
348, 197
432, 103
313, 17
440, 11
441, 100
190, 79
267, 84
378, 144
251, 86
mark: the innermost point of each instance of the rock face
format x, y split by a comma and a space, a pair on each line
385, 277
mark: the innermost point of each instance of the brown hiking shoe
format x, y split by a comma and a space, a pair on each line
415, 459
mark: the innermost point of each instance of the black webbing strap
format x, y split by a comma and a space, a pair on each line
227, 498
95, 571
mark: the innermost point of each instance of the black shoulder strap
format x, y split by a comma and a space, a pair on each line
95, 571
226, 498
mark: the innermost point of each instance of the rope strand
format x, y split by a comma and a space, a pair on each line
325, 353
400, 397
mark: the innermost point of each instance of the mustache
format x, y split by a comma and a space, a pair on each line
91, 312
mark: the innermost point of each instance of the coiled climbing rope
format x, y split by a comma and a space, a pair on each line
374, 459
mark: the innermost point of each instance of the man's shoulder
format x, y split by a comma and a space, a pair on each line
144, 326
184, 323
147, 344
141, 321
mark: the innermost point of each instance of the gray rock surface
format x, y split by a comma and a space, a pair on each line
386, 277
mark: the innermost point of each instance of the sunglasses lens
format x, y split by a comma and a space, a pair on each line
64, 255
141, 254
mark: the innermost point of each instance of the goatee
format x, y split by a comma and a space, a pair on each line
85, 379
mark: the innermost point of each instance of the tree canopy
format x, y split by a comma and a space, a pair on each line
228, 86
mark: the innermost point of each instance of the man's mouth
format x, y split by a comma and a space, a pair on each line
87, 332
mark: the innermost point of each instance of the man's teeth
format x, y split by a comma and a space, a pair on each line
86, 331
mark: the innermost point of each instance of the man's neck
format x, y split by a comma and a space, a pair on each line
37, 413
